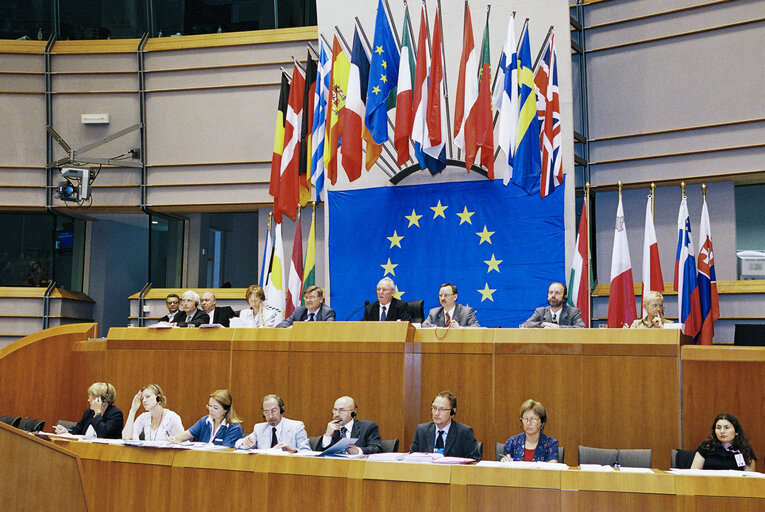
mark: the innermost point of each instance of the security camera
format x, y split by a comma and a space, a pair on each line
77, 185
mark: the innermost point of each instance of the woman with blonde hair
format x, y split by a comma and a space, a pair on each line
258, 315
157, 423
221, 426
102, 418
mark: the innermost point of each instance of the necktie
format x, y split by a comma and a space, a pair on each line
310, 317
555, 318
274, 441
343, 431
382, 315
440, 440
448, 320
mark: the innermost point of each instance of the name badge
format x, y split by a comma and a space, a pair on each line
740, 462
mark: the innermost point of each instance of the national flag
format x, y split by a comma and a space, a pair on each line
484, 127
579, 284
652, 278
309, 270
420, 135
686, 284
548, 112
275, 293
383, 77
306, 129
320, 122
527, 159
403, 129
621, 298
276, 159
467, 94
268, 250
289, 194
338, 86
354, 110
435, 108
295, 283
708, 300
506, 103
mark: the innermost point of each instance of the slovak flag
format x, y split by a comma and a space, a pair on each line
686, 283
708, 301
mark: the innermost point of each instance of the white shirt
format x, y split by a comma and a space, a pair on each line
268, 319
169, 425
325, 440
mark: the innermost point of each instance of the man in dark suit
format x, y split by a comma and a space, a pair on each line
457, 315
191, 316
314, 310
558, 314
453, 439
173, 303
345, 424
218, 315
387, 307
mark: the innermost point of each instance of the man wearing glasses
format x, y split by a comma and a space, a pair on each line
314, 310
345, 424
450, 314
387, 308
277, 431
173, 303
444, 435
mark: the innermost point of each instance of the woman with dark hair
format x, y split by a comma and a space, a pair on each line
531, 444
727, 447
222, 426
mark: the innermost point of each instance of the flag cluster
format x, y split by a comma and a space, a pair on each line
342, 105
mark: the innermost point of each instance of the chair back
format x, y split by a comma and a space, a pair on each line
31, 425
561, 453
480, 449
682, 459
635, 458
66, 424
390, 445
314, 442
417, 311
11, 420
602, 456
499, 449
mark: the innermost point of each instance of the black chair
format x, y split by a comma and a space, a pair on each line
314, 441
682, 459
66, 424
499, 448
480, 449
417, 311
561, 453
31, 425
11, 420
390, 445
609, 457
635, 458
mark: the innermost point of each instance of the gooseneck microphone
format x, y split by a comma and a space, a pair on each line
366, 303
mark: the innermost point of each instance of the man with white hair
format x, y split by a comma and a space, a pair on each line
194, 317
387, 308
218, 314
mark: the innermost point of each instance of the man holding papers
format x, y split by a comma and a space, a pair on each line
345, 424
444, 435
277, 431
450, 314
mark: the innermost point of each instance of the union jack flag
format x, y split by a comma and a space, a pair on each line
548, 112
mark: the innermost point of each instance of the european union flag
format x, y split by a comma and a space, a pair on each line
383, 77
500, 246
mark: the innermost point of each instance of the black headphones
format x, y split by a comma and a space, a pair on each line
355, 406
279, 401
230, 401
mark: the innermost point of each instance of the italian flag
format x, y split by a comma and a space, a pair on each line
579, 283
309, 274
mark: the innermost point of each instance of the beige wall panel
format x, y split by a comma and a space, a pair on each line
111, 197
23, 83
211, 126
205, 194
94, 62
88, 83
23, 62
10, 197
118, 176
24, 132
24, 177
223, 56
228, 173
214, 77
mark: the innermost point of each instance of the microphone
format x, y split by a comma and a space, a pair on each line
366, 303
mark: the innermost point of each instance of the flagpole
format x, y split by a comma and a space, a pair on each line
427, 25
703, 194
589, 277
392, 23
446, 81
653, 200
310, 47
682, 190
542, 48
284, 72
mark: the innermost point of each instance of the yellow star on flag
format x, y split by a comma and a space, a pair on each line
465, 216
379, 50
398, 294
485, 235
384, 65
395, 240
389, 268
414, 219
486, 293
438, 210
375, 89
384, 79
493, 263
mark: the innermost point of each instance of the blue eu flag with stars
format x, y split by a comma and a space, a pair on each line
498, 245
383, 77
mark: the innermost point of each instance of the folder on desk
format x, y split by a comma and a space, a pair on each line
340, 446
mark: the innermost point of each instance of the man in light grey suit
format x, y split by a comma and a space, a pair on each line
557, 314
277, 431
457, 315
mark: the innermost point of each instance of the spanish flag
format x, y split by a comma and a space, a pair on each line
338, 86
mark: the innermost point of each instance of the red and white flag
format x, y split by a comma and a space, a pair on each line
621, 298
355, 109
435, 107
467, 94
295, 283
289, 194
579, 282
548, 112
404, 112
652, 278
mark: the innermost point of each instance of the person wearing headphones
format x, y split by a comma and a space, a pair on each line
558, 313
345, 424
221, 426
531, 444
277, 431
101, 419
444, 435
193, 317
450, 314
157, 423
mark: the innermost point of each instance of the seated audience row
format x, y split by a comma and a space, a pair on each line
726, 448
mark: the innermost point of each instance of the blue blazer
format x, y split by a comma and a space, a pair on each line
226, 435
323, 314
546, 450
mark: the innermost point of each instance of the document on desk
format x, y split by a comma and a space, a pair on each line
452, 460
596, 467
625, 469
339, 446
716, 472
519, 464
386, 457
150, 443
